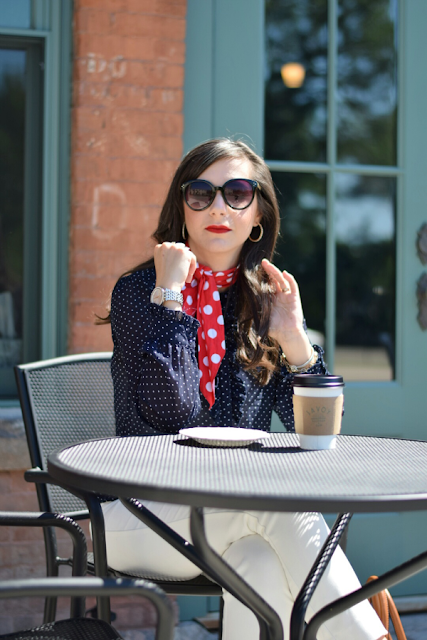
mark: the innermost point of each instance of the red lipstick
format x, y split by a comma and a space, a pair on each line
218, 228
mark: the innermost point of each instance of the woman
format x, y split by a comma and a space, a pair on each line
209, 333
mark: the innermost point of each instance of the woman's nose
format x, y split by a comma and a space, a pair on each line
218, 206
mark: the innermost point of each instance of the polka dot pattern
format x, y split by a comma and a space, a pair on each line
156, 373
209, 314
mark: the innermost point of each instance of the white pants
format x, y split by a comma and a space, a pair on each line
273, 552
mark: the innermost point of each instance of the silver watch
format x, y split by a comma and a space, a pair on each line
160, 295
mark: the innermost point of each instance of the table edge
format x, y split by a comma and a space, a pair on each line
356, 504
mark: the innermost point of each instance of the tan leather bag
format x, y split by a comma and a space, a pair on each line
386, 610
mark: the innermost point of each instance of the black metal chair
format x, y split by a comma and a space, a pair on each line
74, 628
65, 401
78, 587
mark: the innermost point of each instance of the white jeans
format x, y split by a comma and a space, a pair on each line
273, 552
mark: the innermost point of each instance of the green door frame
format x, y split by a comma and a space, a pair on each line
224, 77
51, 24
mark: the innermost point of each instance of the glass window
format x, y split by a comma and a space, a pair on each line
367, 81
20, 189
296, 80
366, 272
301, 248
331, 99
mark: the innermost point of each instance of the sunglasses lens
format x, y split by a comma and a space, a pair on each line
238, 193
199, 195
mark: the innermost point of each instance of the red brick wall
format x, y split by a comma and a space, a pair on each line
127, 125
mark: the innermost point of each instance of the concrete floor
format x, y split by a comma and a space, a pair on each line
414, 624
184, 631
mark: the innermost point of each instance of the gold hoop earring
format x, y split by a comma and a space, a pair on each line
183, 230
261, 233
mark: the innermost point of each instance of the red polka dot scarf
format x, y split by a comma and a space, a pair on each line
201, 298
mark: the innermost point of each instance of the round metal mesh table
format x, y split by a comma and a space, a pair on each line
363, 474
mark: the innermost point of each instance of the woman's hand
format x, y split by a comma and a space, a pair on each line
286, 320
175, 265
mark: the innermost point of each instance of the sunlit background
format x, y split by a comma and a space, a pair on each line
331, 141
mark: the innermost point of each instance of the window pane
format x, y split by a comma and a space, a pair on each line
12, 136
366, 272
367, 81
301, 249
296, 80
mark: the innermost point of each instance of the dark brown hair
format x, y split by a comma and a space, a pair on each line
255, 350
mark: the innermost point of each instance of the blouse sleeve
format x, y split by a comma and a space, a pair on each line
283, 402
156, 347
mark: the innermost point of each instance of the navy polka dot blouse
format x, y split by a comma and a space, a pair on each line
156, 375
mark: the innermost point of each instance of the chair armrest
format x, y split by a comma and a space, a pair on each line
78, 515
46, 519
107, 587
38, 476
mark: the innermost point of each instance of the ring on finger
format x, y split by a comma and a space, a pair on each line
286, 289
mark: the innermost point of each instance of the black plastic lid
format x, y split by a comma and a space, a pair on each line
316, 381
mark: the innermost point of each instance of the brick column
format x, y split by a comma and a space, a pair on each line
127, 125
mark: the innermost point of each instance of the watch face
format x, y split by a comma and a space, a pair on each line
157, 296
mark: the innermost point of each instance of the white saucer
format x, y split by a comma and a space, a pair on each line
224, 436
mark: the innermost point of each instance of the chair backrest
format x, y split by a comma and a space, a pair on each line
65, 401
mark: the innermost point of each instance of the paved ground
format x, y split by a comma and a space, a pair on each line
184, 631
415, 625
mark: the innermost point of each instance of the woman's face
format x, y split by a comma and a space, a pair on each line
217, 234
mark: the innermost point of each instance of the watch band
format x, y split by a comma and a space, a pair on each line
160, 295
173, 295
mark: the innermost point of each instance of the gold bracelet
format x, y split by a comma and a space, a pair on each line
300, 368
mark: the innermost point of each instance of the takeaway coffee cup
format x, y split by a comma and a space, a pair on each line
318, 405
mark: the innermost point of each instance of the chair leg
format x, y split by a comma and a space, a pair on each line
50, 603
78, 539
343, 540
99, 552
221, 616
